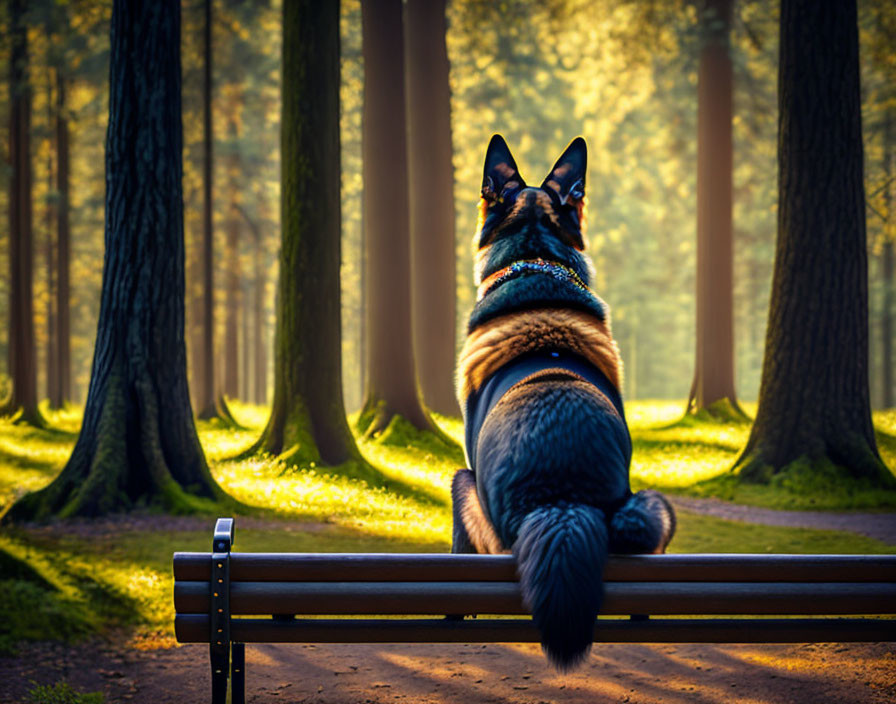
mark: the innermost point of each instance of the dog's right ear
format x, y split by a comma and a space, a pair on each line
500, 172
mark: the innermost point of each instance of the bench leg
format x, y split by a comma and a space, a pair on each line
238, 674
220, 659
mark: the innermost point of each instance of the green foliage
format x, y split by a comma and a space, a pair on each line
62, 693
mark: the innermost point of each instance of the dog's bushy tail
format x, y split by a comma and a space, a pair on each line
561, 551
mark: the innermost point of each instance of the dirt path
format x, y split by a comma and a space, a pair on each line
468, 674
880, 526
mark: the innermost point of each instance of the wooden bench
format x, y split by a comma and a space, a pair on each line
228, 599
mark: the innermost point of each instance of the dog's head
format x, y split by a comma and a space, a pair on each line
519, 223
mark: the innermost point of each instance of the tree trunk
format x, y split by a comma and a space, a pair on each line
308, 421
814, 397
431, 179
260, 352
231, 321
886, 323
22, 351
713, 385
391, 382
63, 257
213, 405
245, 346
138, 444
52, 363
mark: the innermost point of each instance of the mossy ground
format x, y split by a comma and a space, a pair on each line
118, 574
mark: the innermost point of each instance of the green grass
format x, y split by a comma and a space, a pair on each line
694, 456
65, 583
62, 693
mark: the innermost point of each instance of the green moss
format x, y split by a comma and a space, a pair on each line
62, 693
721, 412
804, 484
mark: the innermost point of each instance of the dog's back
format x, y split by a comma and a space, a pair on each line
538, 380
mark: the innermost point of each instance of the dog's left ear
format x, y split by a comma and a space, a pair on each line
567, 178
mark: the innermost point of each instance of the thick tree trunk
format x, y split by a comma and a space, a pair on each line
63, 257
391, 382
431, 179
22, 350
308, 421
814, 398
138, 443
713, 385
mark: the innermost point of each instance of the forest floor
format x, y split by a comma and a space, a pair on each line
112, 579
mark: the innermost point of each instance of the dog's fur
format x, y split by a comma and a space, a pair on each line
548, 477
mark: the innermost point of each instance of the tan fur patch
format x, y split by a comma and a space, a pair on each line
497, 342
479, 529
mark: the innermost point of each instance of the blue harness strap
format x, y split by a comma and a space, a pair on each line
480, 403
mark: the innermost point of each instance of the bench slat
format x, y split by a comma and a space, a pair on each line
193, 628
435, 567
658, 598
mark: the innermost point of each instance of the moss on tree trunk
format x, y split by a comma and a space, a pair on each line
308, 422
814, 396
138, 443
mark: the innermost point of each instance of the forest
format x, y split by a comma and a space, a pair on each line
237, 268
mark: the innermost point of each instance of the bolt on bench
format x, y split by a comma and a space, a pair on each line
228, 599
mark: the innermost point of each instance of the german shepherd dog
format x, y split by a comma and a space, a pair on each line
538, 379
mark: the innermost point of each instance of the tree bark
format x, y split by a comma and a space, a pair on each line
213, 405
138, 444
51, 361
391, 387
431, 180
259, 280
886, 326
245, 345
886, 323
22, 351
63, 246
307, 422
231, 321
713, 383
814, 396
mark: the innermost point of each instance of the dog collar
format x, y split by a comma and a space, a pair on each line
531, 266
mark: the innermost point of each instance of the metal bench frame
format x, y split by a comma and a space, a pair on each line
228, 599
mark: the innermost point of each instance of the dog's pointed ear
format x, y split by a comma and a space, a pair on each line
500, 170
567, 178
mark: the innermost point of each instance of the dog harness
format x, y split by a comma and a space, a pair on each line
481, 401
